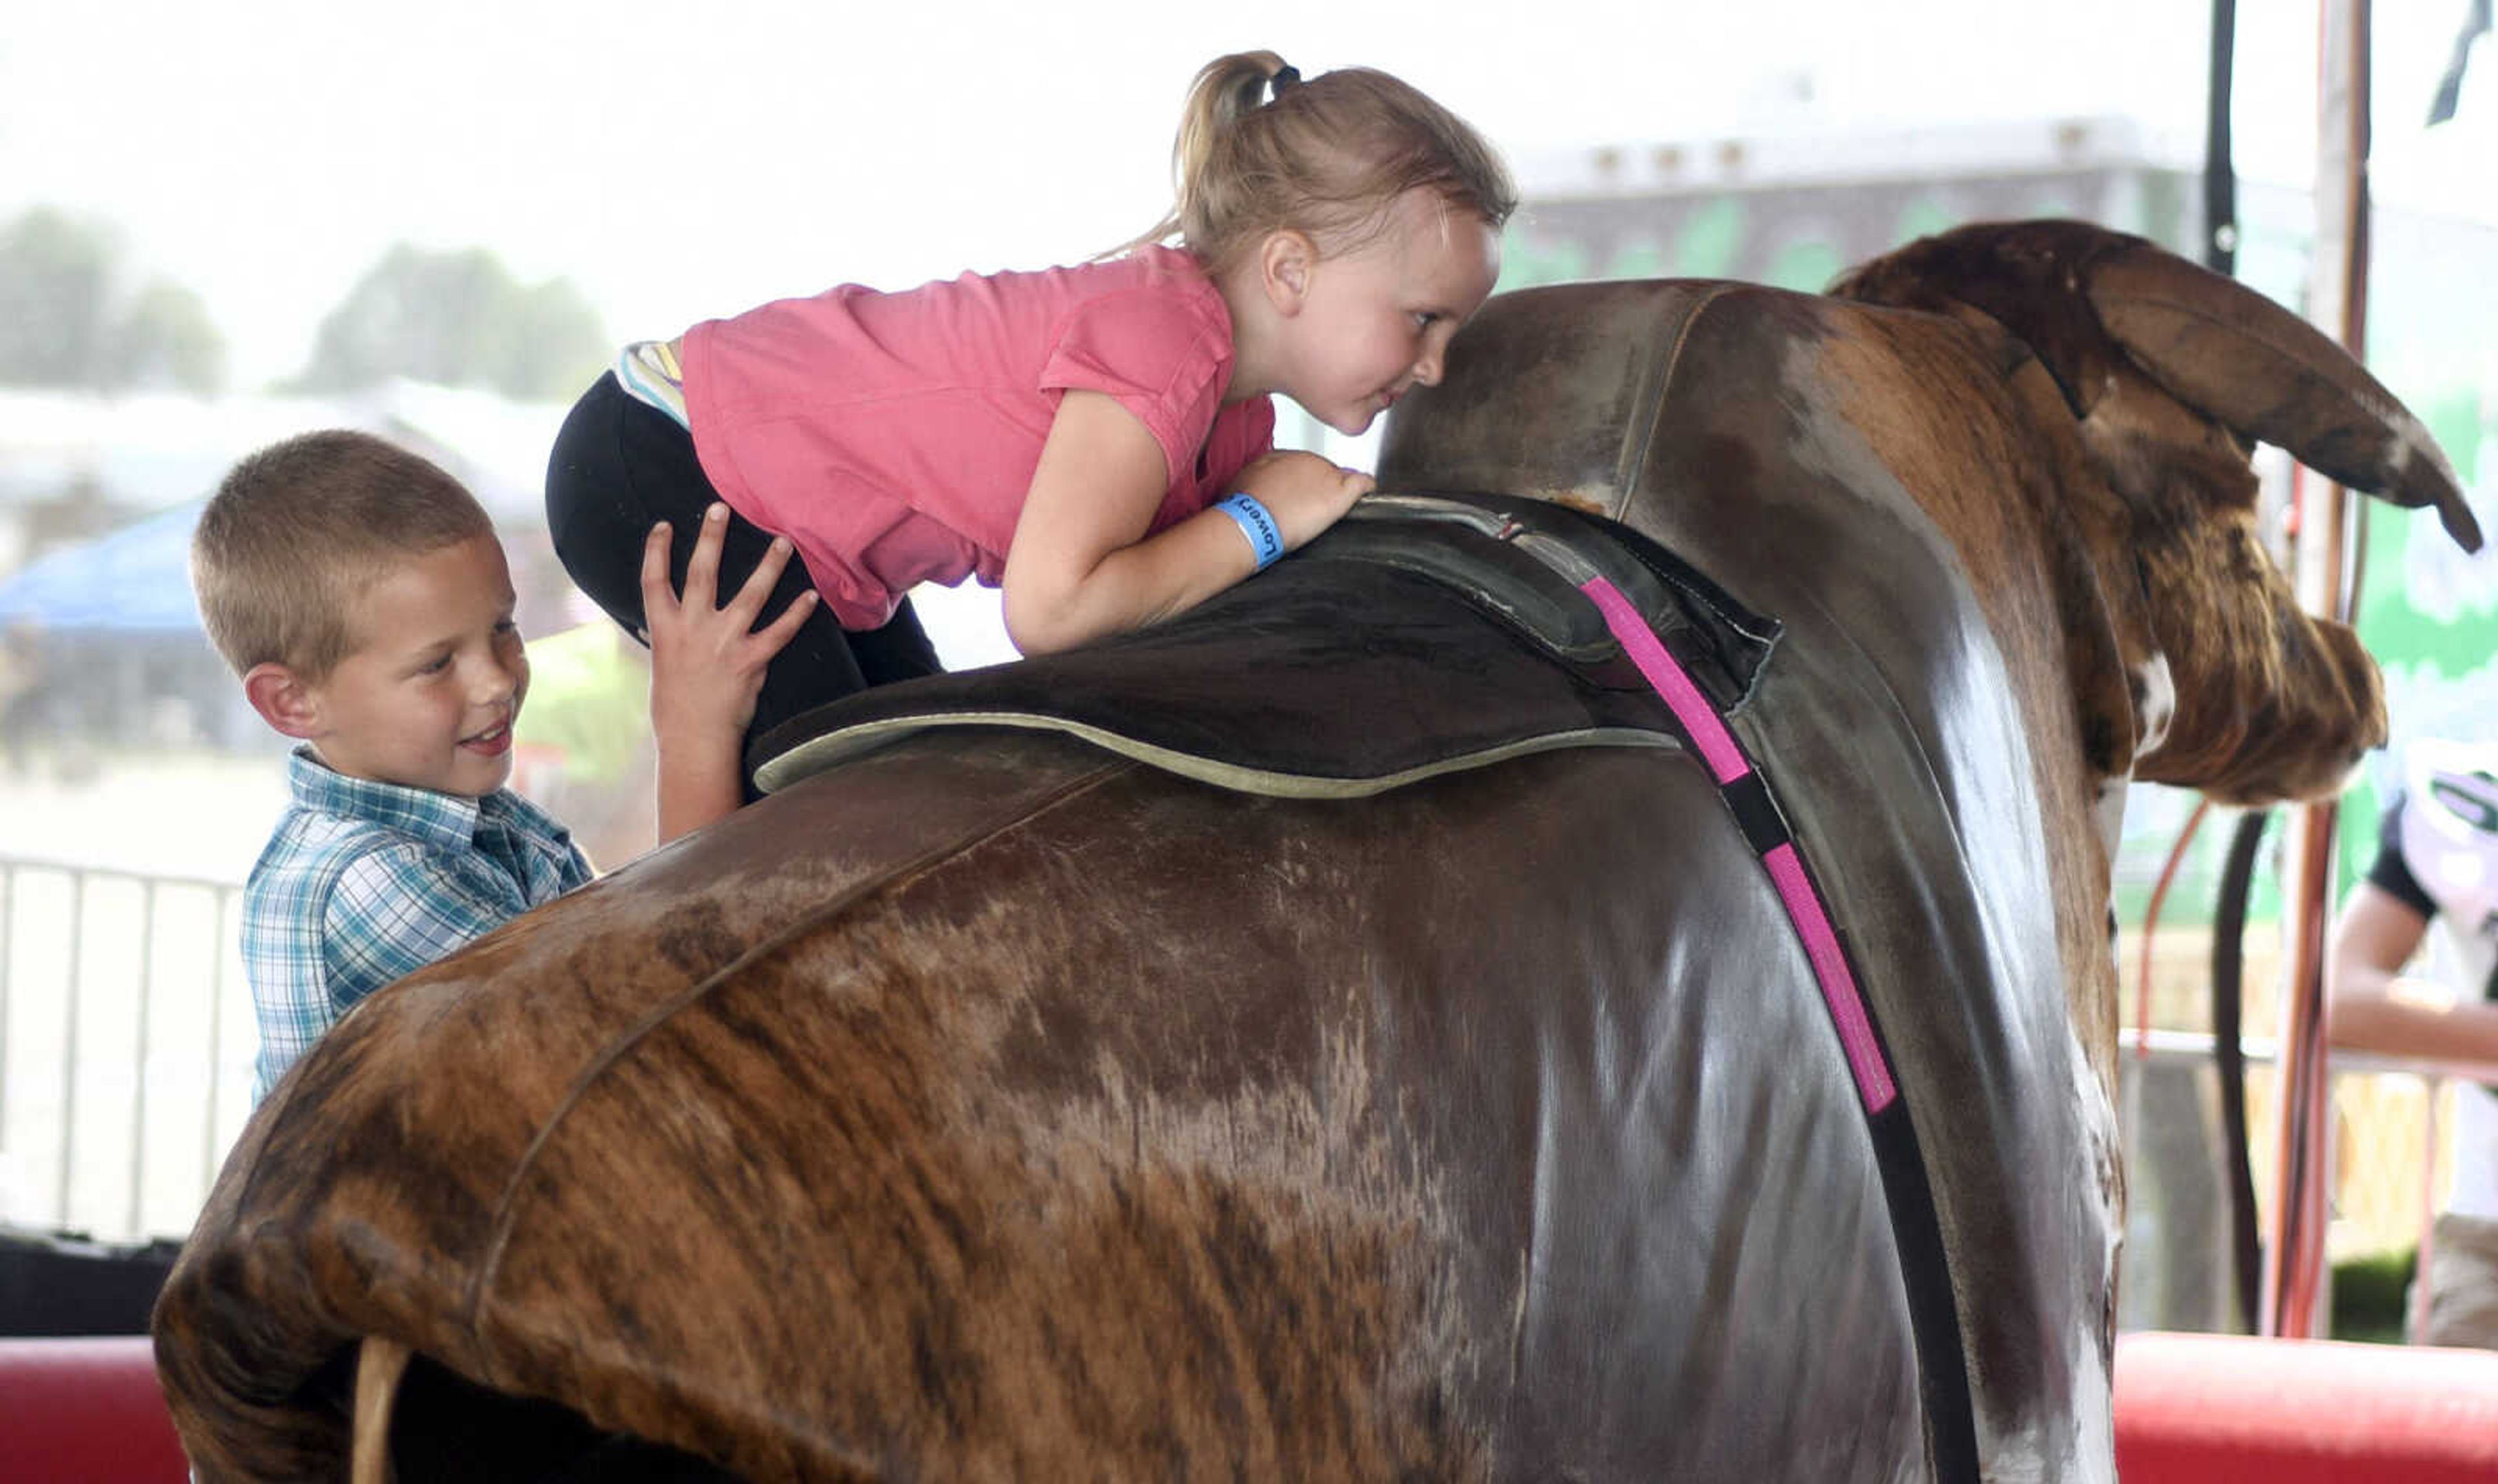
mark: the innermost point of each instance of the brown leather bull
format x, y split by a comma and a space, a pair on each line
1354, 1034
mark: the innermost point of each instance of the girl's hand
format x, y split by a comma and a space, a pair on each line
1082, 564
1303, 491
707, 664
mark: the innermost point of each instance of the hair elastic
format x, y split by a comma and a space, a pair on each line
1265, 537
1283, 80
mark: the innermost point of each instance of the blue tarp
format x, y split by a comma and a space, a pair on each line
135, 581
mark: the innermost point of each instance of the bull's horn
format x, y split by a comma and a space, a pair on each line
2241, 359
379, 1367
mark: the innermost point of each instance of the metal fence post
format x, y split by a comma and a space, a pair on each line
70, 1041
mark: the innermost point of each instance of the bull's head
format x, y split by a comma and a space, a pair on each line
2172, 372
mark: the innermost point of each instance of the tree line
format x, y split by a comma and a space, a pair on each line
70, 317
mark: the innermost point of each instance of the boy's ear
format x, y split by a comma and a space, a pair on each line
283, 700
1285, 260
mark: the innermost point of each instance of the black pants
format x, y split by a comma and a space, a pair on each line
620, 467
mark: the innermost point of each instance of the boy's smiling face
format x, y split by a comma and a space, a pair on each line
427, 694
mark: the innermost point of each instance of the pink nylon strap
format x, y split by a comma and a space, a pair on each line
1717, 748
1727, 763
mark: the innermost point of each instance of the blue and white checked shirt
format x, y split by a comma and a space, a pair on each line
364, 882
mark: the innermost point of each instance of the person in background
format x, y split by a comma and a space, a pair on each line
21, 680
1097, 440
361, 597
2436, 865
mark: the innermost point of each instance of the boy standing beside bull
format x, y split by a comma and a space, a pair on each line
361, 595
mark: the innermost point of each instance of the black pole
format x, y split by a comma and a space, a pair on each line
2220, 172
2229, 927
2229, 1052
2450, 88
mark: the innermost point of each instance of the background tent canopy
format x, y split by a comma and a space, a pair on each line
135, 581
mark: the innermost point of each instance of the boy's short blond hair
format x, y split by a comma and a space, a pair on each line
299, 529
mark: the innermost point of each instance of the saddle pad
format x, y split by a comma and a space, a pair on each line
1356, 665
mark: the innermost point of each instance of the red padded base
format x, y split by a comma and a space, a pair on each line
85, 1411
2216, 1409
2190, 1409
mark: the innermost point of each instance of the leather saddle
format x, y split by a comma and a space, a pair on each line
1423, 633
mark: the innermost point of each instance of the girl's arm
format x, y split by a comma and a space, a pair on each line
1081, 565
707, 665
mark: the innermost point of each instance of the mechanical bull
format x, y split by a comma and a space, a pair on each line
1599, 968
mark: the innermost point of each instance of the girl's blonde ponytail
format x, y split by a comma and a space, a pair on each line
1258, 149
1226, 90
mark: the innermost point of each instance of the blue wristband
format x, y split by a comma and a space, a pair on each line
1265, 537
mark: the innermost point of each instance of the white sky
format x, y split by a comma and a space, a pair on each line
682, 160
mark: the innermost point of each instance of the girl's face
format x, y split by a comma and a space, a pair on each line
1368, 322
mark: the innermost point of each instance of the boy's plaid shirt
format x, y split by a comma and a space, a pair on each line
364, 882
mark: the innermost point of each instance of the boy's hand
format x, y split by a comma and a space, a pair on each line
707, 659
1303, 491
707, 667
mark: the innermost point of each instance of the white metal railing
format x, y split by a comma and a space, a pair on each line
2199, 1046
2138, 1049
125, 1046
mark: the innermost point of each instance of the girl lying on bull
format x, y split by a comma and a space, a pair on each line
1097, 440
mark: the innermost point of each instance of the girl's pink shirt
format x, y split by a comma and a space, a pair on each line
892, 436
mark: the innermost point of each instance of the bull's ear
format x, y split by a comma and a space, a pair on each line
2252, 365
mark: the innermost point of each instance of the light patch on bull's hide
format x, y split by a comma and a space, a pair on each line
2155, 702
2107, 1194
1590, 499
2092, 1395
1231, 1098
2107, 814
1595, 500
1248, 1235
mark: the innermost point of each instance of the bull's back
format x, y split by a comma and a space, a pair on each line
1476, 1129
